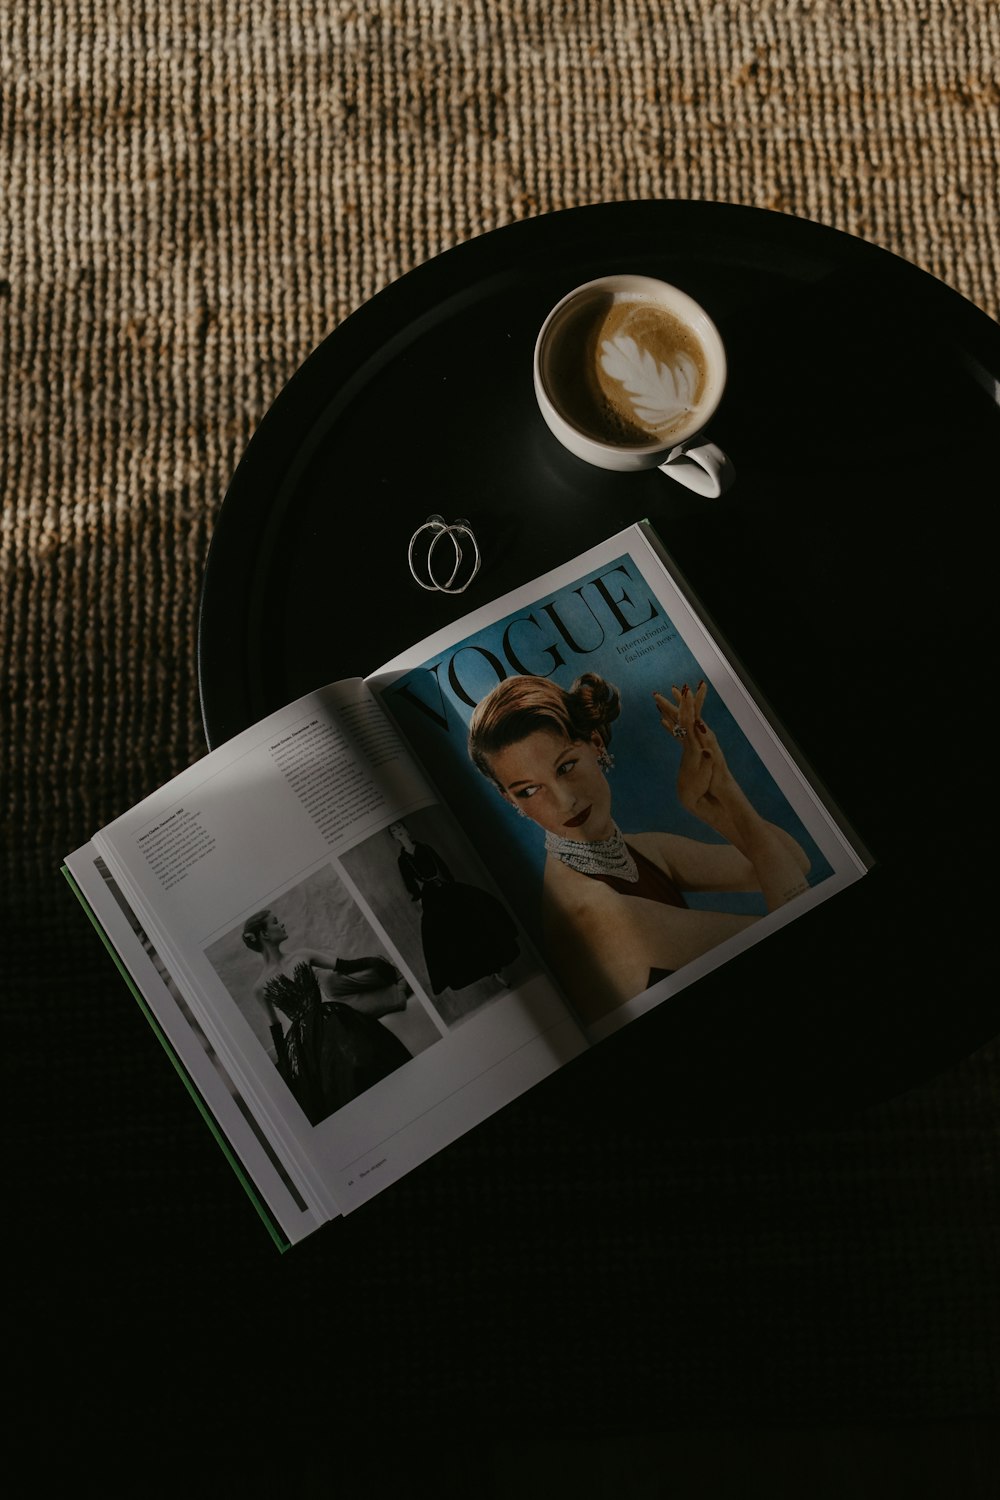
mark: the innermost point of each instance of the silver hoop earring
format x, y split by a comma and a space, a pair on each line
465, 559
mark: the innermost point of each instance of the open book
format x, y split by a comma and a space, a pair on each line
382, 913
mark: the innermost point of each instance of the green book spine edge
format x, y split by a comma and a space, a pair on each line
265, 1214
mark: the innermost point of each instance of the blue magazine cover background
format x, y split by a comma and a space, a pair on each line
606, 622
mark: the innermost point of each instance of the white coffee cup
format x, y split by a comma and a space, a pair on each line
662, 405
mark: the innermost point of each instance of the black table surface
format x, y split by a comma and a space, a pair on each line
849, 566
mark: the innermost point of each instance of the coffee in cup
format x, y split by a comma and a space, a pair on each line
628, 370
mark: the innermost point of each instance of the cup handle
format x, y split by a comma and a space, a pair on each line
702, 467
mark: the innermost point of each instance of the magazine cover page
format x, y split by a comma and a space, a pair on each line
622, 784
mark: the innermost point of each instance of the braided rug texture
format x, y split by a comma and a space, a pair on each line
193, 195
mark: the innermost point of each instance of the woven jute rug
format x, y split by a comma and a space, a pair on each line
192, 195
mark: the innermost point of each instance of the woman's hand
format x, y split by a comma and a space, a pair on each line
705, 785
707, 788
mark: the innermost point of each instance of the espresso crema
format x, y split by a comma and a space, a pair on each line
625, 370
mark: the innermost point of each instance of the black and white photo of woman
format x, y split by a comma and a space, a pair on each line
466, 932
333, 1010
454, 931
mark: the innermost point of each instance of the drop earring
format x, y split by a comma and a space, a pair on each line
511, 803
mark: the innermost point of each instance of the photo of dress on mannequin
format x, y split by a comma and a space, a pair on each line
466, 932
457, 940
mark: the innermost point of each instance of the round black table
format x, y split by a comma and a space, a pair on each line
848, 564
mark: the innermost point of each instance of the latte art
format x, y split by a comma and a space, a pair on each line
625, 370
659, 393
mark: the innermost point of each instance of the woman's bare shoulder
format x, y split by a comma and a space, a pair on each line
659, 847
646, 843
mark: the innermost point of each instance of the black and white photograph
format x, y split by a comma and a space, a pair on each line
460, 938
196, 1030
333, 1010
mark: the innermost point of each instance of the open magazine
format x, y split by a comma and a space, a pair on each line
382, 913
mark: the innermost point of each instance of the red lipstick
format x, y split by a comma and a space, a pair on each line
579, 819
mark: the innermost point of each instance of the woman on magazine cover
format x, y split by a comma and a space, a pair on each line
465, 932
615, 918
334, 1047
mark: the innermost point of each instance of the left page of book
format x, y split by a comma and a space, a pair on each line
366, 1019
244, 1143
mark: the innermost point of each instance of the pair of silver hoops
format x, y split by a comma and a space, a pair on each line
465, 563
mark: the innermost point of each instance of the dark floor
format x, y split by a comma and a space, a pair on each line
958, 1461
362, 1454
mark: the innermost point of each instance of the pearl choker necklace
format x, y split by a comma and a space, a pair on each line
595, 857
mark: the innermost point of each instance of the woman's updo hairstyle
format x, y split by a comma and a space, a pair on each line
520, 706
252, 929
